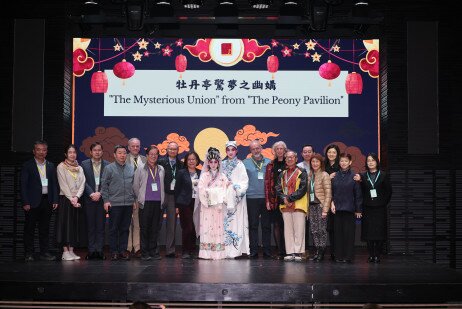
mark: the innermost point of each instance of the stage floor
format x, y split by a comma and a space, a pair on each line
398, 279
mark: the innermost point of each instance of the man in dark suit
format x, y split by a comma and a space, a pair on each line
93, 203
171, 165
39, 195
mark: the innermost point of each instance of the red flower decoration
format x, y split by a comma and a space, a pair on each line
167, 51
286, 52
81, 62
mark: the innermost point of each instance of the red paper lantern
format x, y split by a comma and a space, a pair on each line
272, 64
329, 70
124, 69
181, 63
354, 83
99, 82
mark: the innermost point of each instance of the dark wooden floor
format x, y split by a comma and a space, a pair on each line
397, 279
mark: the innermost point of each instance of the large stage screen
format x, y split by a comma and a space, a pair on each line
204, 92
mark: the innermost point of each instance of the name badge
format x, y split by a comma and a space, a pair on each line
172, 184
194, 194
260, 175
311, 197
44, 182
154, 186
97, 181
373, 193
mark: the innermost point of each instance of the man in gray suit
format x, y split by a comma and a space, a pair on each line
93, 203
135, 159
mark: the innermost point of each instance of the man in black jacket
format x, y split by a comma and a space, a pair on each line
39, 195
94, 210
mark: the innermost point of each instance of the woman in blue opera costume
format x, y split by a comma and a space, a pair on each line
236, 221
211, 208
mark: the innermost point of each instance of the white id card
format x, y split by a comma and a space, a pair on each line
97, 181
260, 175
154, 186
44, 182
311, 197
172, 184
373, 193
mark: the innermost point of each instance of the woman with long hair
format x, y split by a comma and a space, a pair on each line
72, 184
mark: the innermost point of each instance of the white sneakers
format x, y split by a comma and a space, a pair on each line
70, 256
75, 256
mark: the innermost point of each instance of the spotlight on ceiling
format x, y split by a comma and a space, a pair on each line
91, 8
226, 8
319, 13
290, 8
135, 14
360, 8
161, 8
260, 4
192, 4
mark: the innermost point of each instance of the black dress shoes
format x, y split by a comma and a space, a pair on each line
253, 256
170, 255
47, 257
145, 257
186, 256
340, 261
370, 259
376, 259
114, 257
267, 256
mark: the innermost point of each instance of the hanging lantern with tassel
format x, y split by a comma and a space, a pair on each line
329, 71
124, 69
99, 82
272, 64
181, 63
354, 83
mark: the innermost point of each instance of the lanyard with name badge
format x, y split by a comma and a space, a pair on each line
97, 171
312, 189
154, 183
287, 181
260, 173
373, 191
43, 174
172, 184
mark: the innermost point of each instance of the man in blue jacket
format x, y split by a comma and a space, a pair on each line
39, 195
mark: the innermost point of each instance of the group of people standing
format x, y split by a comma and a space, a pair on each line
223, 204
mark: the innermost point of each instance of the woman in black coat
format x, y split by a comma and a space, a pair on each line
376, 190
185, 197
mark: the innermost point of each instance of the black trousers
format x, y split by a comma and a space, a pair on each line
344, 233
40, 215
119, 223
96, 219
188, 231
256, 211
149, 227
